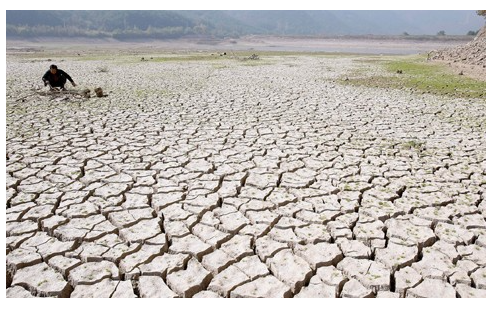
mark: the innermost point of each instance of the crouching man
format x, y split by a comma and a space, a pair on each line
56, 78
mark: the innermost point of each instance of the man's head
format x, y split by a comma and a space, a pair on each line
53, 69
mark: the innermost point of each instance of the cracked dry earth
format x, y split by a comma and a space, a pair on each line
241, 179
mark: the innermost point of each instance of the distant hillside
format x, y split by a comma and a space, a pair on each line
173, 24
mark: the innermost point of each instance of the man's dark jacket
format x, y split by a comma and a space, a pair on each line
57, 79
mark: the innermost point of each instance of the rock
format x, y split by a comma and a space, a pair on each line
99, 92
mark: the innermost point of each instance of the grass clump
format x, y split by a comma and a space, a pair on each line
412, 144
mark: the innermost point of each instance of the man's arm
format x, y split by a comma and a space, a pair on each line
45, 78
67, 76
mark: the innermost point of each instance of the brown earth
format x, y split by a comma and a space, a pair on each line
469, 59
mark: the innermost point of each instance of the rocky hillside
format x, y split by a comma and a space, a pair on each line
472, 53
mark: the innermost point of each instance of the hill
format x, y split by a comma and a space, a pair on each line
173, 24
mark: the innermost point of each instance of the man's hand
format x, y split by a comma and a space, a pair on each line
45, 83
73, 83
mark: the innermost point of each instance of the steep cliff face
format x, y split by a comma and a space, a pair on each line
472, 53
